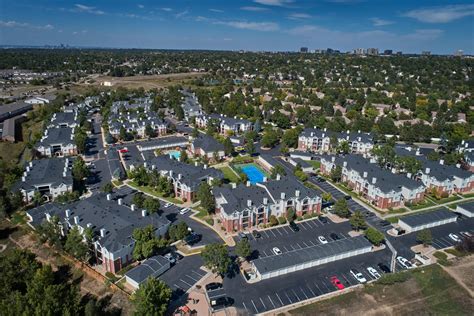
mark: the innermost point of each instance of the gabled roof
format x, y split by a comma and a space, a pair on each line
57, 135
237, 199
348, 135
48, 171
428, 217
207, 143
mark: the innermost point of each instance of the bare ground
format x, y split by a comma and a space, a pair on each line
462, 270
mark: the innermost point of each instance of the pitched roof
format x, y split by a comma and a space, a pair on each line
207, 143
428, 217
48, 171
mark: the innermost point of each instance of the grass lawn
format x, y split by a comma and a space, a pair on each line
398, 211
229, 174
422, 204
469, 195
154, 193
446, 200
426, 291
315, 164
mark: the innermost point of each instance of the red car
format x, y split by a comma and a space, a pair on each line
335, 281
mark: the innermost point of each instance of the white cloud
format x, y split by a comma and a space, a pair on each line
441, 14
16, 24
141, 6
79, 32
255, 26
424, 34
278, 3
380, 22
253, 8
216, 10
167, 9
181, 14
87, 9
299, 16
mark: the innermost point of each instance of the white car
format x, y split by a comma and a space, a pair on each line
466, 234
454, 237
373, 272
404, 262
277, 251
322, 240
167, 204
358, 276
184, 211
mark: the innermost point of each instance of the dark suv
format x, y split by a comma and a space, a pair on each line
213, 286
294, 227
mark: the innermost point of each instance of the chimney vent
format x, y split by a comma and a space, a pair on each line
109, 197
133, 207
102, 232
282, 195
119, 201
374, 180
144, 213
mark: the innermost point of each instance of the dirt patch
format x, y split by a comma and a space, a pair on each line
148, 82
462, 270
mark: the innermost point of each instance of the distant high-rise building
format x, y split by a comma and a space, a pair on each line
399, 53
303, 49
459, 53
359, 51
372, 51
426, 53
387, 52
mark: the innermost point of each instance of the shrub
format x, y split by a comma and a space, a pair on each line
392, 278
442, 258
273, 220
307, 215
210, 221
281, 220
299, 218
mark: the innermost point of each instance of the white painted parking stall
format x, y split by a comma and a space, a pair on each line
189, 279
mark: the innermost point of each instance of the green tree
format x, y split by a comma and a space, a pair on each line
343, 147
326, 196
336, 174
374, 236
50, 231
290, 215
151, 298
273, 220
290, 137
204, 195
107, 188
250, 147
341, 208
152, 205
270, 138
277, 170
80, 139
79, 169
242, 248
357, 221
424, 236
138, 199
77, 245
228, 147
178, 231
216, 257
149, 131
147, 243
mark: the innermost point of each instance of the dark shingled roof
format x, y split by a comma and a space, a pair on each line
148, 268
427, 218
207, 143
46, 171
309, 254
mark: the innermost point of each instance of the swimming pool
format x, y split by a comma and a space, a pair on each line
253, 172
175, 154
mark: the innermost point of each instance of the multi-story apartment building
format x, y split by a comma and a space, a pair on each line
57, 141
317, 140
225, 125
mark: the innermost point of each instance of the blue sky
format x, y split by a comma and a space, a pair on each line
410, 26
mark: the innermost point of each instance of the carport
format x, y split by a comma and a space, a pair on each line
151, 267
305, 258
418, 222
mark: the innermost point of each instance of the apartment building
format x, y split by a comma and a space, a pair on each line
319, 140
57, 142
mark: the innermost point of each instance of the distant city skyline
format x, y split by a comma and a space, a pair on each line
441, 27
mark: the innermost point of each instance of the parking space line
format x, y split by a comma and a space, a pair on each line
303, 292
312, 243
263, 303
273, 233
292, 247
254, 306
296, 295
285, 229
305, 244
265, 254
185, 282
312, 224
321, 292
302, 226
285, 248
311, 290
265, 232
344, 277
279, 299
329, 290
271, 301
191, 278
291, 302
243, 303
200, 275
299, 246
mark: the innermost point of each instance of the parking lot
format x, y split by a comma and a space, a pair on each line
184, 274
302, 285
285, 239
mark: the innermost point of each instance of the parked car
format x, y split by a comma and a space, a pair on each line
322, 240
334, 236
369, 214
358, 276
213, 286
171, 258
168, 204
294, 227
242, 235
192, 239
348, 197
384, 267
454, 237
373, 272
335, 281
385, 223
184, 211
323, 220
221, 302
404, 262
465, 234
277, 251
256, 234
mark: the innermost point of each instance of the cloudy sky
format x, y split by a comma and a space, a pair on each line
407, 25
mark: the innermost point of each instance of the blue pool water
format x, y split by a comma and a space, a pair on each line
253, 173
175, 154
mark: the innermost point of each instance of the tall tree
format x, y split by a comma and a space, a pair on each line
228, 147
357, 221
341, 208
151, 298
242, 248
204, 195
216, 257
424, 236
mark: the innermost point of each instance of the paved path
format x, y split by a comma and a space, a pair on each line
429, 207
